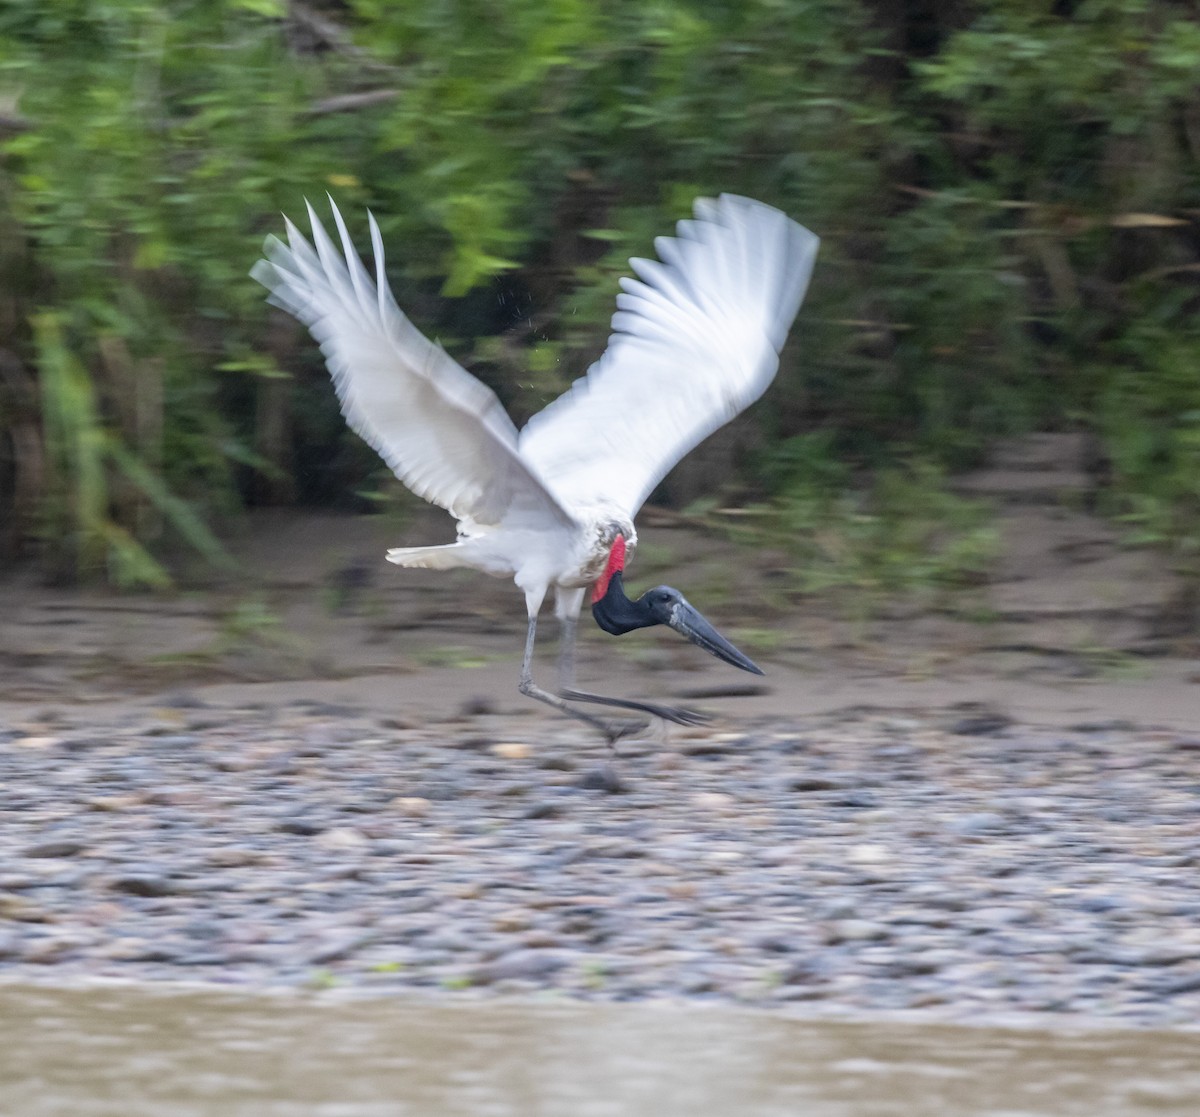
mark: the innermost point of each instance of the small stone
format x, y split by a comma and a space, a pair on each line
815, 783
143, 884
696, 984
21, 910
49, 950
440, 791
774, 944
806, 971
553, 763
114, 803
305, 827
133, 949
412, 805
528, 965
724, 856
915, 965
86, 743
1181, 986
602, 779
515, 920
396, 721
60, 848
711, 746
511, 750
844, 908
176, 740
340, 948
235, 857
973, 825
342, 838
334, 711
981, 723
543, 810
540, 939
857, 930
37, 742
870, 853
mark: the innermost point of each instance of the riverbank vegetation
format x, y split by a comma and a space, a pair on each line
1007, 193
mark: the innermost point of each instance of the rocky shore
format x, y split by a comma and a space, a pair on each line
948, 862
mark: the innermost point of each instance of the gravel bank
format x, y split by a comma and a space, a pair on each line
952, 863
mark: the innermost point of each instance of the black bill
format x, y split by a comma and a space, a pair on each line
687, 622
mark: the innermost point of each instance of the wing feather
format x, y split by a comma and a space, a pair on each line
442, 432
696, 339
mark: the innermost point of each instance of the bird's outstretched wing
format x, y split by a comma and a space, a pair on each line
443, 433
696, 340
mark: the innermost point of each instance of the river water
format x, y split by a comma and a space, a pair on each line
129, 1051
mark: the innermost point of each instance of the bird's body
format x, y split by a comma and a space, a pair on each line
696, 340
565, 556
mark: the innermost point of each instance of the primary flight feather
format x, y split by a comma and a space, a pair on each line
696, 339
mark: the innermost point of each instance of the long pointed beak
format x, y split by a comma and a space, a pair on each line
687, 622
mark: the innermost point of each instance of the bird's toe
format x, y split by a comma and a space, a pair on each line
681, 716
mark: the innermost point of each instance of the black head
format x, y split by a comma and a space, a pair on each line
617, 614
661, 602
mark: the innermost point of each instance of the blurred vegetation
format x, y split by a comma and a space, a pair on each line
1007, 192
858, 545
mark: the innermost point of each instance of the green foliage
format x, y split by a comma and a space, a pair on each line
83, 459
1089, 124
1150, 413
904, 533
1006, 192
153, 146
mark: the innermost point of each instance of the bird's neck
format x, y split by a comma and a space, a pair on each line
616, 613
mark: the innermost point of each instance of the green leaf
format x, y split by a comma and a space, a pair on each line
272, 9
180, 514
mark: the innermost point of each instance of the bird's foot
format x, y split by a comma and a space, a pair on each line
677, 714
682, 716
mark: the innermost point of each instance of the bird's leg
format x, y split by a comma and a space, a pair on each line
566, 654
612, 730
568, 615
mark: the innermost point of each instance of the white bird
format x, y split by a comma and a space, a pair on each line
696, 339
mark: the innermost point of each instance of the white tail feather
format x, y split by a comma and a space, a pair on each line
446, 557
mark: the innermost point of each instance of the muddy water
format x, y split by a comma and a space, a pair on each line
129, 1052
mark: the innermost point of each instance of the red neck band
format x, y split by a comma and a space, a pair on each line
616, 563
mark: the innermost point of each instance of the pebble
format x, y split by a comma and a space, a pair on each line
605, 778
527, 965
37, 741
142, 884
65, 848
338, 949
859, 861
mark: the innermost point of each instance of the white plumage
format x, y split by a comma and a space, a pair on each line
696, 339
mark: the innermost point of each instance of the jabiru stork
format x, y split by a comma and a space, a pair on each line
696, 339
